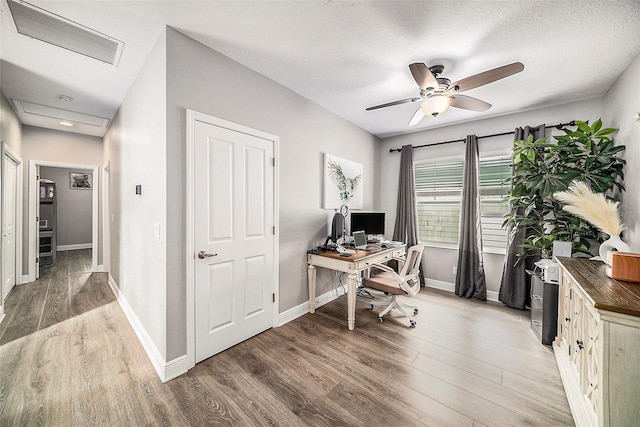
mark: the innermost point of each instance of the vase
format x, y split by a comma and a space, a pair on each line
613, 243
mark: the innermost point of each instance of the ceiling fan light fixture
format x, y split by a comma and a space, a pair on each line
435, 105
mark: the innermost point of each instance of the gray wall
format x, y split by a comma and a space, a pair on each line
74, 208
60, 147
10, 127
135, 147
11, 134
201, 79
439, 262
621, 103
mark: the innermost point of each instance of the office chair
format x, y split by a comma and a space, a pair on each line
404, 283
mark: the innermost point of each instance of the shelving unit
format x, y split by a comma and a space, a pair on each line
48, 220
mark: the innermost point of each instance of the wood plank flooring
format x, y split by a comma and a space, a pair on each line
68, 357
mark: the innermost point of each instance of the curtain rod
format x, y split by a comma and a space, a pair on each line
559, 126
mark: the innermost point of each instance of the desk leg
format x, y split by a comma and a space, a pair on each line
311, 278
351, 300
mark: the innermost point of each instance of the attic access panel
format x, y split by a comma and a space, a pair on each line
37, 23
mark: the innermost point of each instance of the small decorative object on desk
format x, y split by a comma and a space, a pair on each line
600, 212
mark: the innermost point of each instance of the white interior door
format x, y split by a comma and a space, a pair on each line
9, 210
233, 227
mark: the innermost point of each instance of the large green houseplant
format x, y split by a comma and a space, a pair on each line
541, 168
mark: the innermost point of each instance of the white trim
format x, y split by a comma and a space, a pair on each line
74, 247
302, 309
191, 118
7, 151
493, 296
439, 284
174, 368
33, 197
101, 268
165, 370
451, 287
1, 312
25, 279
106, 218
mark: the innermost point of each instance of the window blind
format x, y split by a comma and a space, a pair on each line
439, 193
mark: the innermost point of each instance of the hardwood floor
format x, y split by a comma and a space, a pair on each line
68, 357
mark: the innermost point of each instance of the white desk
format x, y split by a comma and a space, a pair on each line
353, 266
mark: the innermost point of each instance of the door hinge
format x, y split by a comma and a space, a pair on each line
273, 162
37, 260
38, 177
273, 229
274, 297
37, 219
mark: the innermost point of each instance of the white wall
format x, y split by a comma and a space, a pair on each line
621, 102
135, 145
201, 79
60, 147
74, 208
438, 262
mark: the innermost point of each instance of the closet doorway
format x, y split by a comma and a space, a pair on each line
64, 213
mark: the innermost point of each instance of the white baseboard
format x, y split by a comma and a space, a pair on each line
100, 268
61, 248
165, 370
302, 309
451, 287
27, 278
1, 312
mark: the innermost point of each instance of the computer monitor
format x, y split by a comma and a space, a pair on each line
371, 222
337, 228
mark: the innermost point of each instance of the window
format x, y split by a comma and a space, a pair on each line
439, 193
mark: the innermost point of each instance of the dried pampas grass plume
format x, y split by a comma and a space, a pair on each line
593, 207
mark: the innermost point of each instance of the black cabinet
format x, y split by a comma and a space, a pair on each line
544, 309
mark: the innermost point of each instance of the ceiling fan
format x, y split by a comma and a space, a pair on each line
437, 94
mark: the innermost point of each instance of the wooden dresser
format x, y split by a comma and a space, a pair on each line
598, 344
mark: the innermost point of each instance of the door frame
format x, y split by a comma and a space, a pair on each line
192, 118
34, 166
7, 151
106, 217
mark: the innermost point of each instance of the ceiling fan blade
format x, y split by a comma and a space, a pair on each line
469, 103
417, 116
423, 75
390, 104
487, 77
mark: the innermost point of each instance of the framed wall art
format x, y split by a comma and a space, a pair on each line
342, 183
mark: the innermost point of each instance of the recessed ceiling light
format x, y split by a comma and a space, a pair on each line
66, 123
65, 98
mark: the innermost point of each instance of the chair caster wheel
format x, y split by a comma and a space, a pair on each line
380, 319
415, 311
412, 323
370, 306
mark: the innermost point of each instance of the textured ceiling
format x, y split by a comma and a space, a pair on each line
345, 55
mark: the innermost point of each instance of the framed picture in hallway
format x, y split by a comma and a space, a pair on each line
81, 180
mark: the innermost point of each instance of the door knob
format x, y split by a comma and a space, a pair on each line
203, 255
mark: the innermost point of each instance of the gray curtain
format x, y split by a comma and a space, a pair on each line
406, 226
514, 286
470, 279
